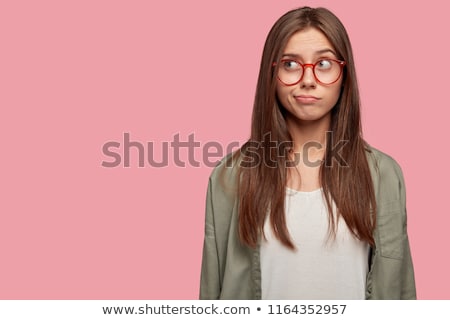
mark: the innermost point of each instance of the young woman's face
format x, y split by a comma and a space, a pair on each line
308, 100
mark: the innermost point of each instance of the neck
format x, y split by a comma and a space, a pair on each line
304, 132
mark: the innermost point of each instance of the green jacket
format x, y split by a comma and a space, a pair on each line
231, 270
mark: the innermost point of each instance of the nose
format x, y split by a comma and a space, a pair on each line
308, 79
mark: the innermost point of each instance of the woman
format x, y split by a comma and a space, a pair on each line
306, 209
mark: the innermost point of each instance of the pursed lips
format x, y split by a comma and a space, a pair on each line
307, 99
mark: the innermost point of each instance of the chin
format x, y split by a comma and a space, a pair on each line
310, 117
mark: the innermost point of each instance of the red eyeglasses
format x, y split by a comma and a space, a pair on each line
325, 71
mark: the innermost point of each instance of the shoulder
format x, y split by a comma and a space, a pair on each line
383, 164
223, 180
227, 167
387, 176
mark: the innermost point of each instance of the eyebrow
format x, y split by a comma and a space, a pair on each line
319, 52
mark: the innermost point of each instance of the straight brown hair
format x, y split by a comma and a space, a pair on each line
262, 187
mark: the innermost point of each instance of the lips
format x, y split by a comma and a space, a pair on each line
306, 99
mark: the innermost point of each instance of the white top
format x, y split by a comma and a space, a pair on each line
321, 267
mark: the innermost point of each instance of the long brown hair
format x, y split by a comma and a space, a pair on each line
262, 181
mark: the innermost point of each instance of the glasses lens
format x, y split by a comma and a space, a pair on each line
290, 71
325, 71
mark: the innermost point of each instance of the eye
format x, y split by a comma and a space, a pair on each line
324, 64
290, 65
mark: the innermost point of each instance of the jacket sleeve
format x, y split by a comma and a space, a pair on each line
209, 279
392, 274
219, 213
408, 288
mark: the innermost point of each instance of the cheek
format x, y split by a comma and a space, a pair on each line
282, 94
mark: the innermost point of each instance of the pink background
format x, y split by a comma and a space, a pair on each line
76, 74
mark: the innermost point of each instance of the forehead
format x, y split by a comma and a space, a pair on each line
308, 41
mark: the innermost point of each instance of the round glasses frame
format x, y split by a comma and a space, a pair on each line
313, 67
